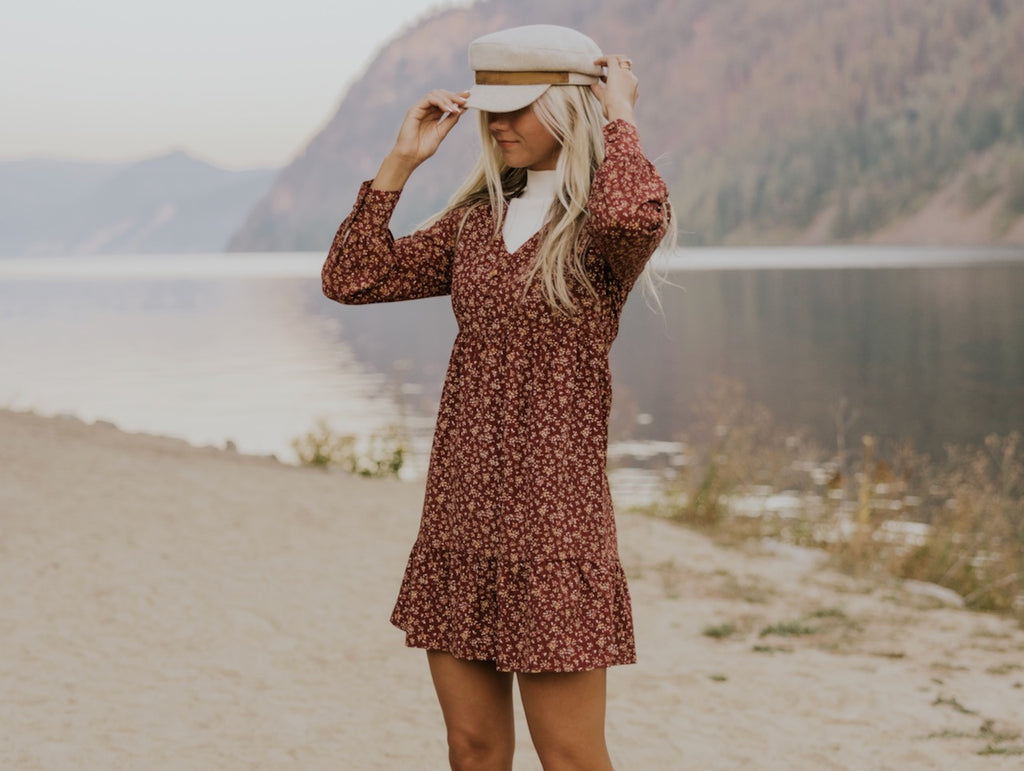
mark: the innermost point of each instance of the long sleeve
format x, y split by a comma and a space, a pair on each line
366, 264
628, 204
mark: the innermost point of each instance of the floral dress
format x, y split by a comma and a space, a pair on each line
516, 560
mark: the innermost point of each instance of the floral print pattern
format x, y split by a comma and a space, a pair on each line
516, 560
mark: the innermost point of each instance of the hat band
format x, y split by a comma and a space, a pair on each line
533, 78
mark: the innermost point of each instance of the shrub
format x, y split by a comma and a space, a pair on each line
377, 456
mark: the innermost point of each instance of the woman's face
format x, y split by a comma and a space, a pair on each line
523, 140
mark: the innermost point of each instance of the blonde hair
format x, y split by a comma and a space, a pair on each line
575, 118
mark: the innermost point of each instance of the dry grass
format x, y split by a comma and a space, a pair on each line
972, 507
957, 521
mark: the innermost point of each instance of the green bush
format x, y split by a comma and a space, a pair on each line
378, 456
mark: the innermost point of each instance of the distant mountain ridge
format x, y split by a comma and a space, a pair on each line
170, 204
775, 121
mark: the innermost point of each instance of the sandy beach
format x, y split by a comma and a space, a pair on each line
170, 607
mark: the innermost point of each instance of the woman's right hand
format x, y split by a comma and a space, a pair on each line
420, 135
423, 130
617, 90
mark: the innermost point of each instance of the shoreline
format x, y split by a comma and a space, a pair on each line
170, 606
306, 265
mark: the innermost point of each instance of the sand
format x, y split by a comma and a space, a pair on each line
170, 607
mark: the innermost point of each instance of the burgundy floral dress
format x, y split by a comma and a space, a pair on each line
516, 559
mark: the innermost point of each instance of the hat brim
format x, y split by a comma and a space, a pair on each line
505, 98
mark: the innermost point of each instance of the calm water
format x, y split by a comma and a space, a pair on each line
246, 348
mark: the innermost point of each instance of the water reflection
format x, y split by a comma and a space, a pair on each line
227, 348
206, 359
930, 355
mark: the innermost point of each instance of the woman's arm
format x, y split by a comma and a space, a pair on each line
366, 263
628, 198
425, 126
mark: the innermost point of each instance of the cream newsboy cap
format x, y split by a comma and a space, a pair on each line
515, 66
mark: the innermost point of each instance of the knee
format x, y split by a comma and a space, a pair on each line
475, 751
569, 756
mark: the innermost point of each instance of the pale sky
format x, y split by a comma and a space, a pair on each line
239, 83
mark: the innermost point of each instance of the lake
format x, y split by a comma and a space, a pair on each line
925, 345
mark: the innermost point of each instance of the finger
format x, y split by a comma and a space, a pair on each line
450, 103
447, 122
614, 60
433, 105
620, 78
452, 116
448, 100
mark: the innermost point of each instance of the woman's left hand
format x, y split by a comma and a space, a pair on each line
618, 89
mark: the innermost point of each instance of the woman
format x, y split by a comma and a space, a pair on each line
515, 571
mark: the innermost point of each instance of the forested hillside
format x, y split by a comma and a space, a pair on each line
774, 121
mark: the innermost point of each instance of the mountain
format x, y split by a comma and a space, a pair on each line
173, 203
774, 121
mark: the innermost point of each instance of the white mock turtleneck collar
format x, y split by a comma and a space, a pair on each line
541, 184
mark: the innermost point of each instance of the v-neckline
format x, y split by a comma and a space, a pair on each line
512, 252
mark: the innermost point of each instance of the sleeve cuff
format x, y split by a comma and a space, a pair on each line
383, 201
366, 193
621, 134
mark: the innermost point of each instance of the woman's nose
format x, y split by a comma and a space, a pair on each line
497, 120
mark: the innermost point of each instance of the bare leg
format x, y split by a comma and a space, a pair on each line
476, 701
565, 712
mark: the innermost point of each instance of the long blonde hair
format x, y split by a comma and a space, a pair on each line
574, 117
